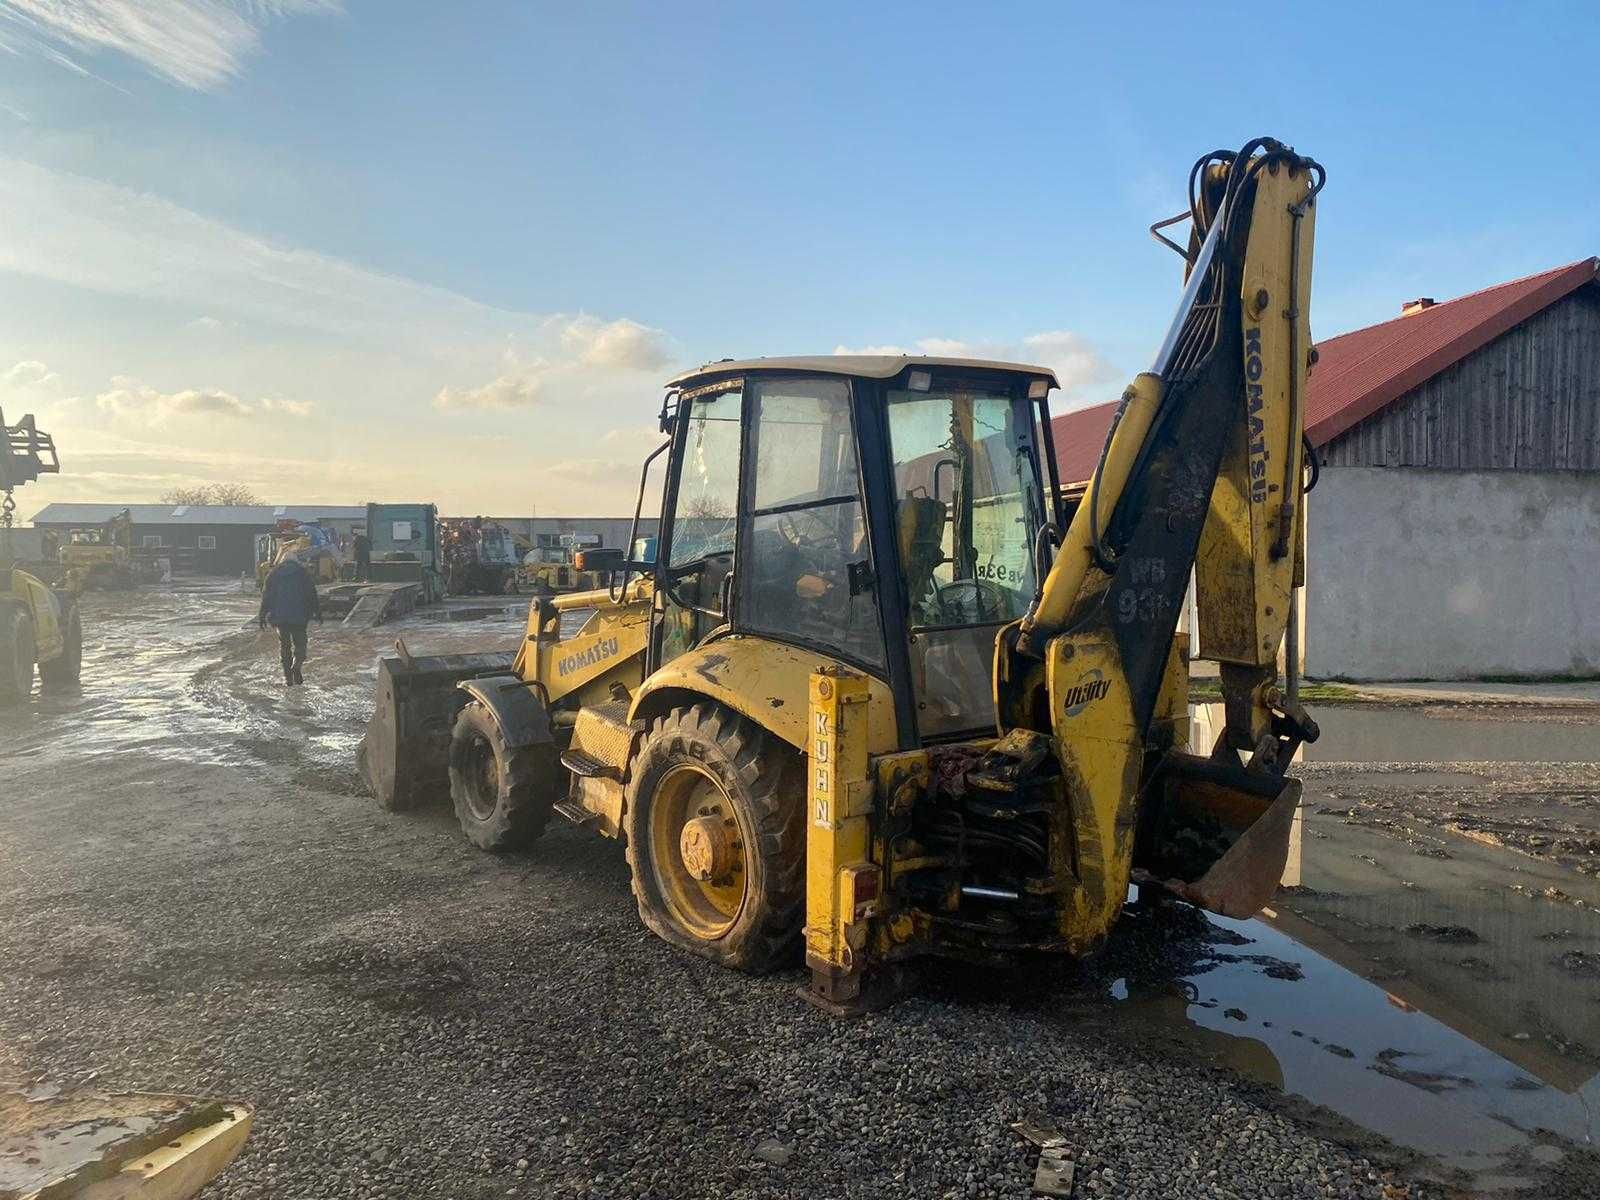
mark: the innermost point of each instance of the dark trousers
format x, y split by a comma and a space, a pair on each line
292, 645
363, 567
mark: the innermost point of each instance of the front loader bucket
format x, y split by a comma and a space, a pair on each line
405, 755
1221, 837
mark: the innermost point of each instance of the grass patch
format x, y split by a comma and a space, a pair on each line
1207, 691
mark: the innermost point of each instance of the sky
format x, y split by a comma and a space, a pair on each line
351, 250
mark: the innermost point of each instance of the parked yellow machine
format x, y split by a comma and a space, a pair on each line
102, 557
311, 544
554, 569
869, 696
39, 625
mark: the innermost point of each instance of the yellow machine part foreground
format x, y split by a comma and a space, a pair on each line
115, 1146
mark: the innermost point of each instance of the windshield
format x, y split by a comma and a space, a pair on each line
967, 505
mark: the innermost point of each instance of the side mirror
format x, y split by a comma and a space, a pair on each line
602, 558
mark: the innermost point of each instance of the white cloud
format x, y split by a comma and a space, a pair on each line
198, 44
502, 392
621, 344
129, 399
121, 242
293, 408
582, 351
1079, 367
29, 374
1077, 364
883, 349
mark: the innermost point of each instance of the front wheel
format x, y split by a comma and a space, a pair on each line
65, 670
16, 656
502, 795
716, 838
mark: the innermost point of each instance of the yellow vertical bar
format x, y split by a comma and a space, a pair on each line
838, 830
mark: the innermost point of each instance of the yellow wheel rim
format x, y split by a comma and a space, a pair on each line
697, 851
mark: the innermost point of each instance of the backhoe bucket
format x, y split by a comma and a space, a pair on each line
405, 755
1221, 840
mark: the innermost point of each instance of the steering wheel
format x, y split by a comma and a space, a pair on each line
826, 537
971, 602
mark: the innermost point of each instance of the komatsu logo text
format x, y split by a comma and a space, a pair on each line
599, 652
1081, 695
1253, 371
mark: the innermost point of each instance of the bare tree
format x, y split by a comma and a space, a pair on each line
211, 493
187, 495
232, 493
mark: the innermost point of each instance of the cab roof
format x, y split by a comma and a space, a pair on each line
865, 366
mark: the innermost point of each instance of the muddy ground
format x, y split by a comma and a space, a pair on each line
196, 896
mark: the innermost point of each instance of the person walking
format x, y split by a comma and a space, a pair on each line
363, 551
289, 600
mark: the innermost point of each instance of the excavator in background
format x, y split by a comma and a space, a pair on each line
480, 556
873, 694
39, 625
102, 557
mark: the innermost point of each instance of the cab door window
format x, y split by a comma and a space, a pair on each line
967, 508
806, 572
705, 521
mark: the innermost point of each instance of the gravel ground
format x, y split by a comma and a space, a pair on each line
412, 1018
195, 896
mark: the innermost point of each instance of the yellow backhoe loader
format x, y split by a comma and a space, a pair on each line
102, 556
873, 694
39, 625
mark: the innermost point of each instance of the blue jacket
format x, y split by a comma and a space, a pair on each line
289, 596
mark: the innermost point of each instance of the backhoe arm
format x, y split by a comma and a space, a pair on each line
1201, 472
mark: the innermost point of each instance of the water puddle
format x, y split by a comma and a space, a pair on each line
1434, 975
1448, 734
1371, 1055
187, 674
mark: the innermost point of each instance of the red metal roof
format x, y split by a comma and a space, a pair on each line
1358, 373
1079, 436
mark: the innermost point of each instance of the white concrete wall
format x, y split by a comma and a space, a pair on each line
1416, 573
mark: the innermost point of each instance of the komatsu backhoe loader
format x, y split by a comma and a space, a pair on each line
869, 696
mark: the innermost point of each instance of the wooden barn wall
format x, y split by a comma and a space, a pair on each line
1528, 401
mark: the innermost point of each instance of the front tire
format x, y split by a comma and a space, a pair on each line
16, 656
502, 795
716, 838
66, 670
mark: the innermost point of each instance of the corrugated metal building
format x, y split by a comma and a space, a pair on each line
200, 539
549, 532
1455, 532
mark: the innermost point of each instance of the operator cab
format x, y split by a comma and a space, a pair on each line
883, 510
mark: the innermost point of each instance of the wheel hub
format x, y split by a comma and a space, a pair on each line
706, 849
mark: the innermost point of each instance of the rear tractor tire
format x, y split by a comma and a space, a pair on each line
715, 822
64, 672
502, 795
16, 656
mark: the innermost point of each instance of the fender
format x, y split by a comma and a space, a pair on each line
765, 680
515, 707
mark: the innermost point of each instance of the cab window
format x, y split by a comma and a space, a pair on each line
704, 524
706, 513
806, 574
